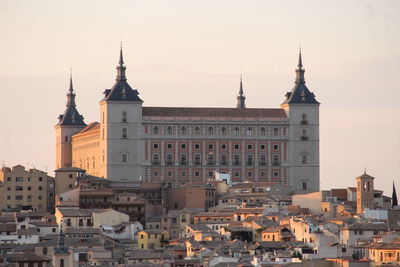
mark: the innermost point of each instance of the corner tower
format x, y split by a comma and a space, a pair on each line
121, 145
303, 148
68, 124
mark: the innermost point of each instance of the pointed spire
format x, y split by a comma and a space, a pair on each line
241, 98
121, 57
394, 197
71, 88
70, 95
300, 64
300, 70
121, 67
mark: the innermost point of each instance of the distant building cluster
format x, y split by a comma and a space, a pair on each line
192, 187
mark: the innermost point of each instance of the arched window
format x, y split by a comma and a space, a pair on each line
210, 131
183, 131
155, 130
249, 131
124, 116
169, 130
276, 131
61, 262
263, 131
236, 131
197, 130
66, 138
223, 131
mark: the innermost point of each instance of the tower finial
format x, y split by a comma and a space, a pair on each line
71, 88
300, 70
121, 57
121, 67
241, 98
300, 64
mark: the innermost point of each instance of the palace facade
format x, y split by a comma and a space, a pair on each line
181, 144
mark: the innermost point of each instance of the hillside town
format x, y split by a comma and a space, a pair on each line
100, 222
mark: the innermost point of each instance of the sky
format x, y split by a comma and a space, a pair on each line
191, 53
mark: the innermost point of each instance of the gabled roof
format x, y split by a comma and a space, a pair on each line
214, 112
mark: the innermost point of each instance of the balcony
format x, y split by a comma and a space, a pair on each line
155, 162
169, 162
197, 162
210, 162
236, 162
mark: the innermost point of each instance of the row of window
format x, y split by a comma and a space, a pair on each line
21, 179
304, 137
210, 160
21, 197
21, 188
250, 131
236, 174
275, 147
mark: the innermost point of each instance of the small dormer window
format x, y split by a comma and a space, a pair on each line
124, 116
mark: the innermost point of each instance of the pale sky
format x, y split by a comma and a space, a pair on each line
191, 53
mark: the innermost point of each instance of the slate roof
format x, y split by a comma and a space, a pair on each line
121, 91
71, 115
300, 93
214, 112
8, 227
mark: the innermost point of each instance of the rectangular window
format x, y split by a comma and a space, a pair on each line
40, 179
156, 159
197, 159
19, 179
210, 146
19, 188
249, 146
169, 159
275, 160
224, 159
263, 160
169, 146
210, 159
124, 132
124, 116
183, 146
223, 146
236, 159
124, 157
155, 146
304, 186
237, 146
19, 197
249, 160
196, 146
183, 160
80, 222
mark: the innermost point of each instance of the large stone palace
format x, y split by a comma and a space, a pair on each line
181, 144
